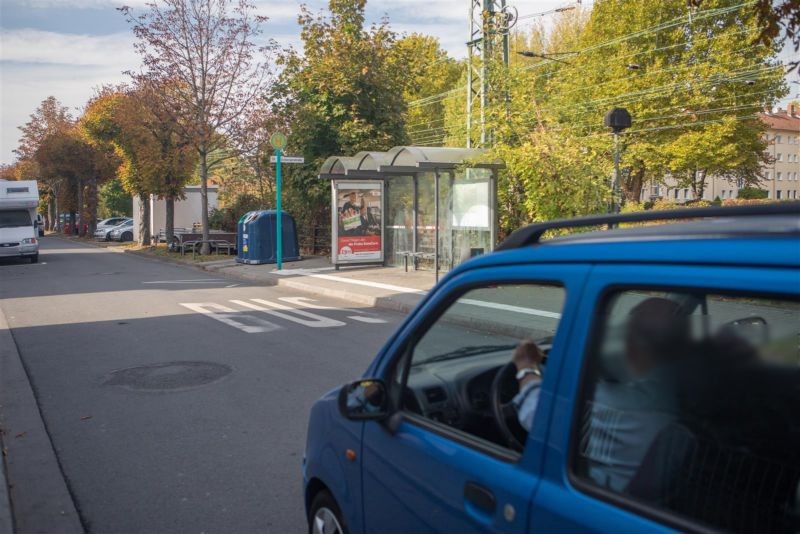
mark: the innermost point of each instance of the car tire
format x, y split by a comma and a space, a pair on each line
35, 258
127, 236
325, 516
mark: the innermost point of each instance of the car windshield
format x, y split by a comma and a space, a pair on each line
14, 218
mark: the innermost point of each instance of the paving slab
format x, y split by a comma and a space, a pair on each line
381, 287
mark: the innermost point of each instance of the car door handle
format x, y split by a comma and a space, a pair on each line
480, 497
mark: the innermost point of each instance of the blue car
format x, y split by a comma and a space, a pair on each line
643, 378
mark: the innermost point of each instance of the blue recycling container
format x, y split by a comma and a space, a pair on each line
256, 238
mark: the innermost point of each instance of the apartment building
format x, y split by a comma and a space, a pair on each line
781, 178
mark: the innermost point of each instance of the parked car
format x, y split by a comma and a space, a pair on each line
105, 226
122, 232
658, 365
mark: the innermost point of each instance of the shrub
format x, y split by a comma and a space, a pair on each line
751, 193
226, 218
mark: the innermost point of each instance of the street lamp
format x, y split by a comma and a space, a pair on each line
617, 119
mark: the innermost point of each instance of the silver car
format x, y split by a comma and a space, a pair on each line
105, 226
122, 232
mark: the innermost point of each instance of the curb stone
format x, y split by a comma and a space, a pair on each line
39, 498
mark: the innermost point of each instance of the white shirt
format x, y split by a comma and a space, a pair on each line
624, 421
526, 401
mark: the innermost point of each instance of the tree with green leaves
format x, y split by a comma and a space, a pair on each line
344, 94
429, 72
113, 200
691, 79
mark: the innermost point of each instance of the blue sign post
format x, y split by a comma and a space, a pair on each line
278, 142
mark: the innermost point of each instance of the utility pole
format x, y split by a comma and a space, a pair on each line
618, 119
489, 23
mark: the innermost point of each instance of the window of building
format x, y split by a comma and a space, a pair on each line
663, 420
768, 175
777, 139
779, 175
676, 193
685, 193
454, 363
778, 194
778, 157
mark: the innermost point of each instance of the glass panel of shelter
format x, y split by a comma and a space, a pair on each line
400, 222
464, 218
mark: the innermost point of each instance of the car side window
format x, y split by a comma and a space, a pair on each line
690, 405
478, 368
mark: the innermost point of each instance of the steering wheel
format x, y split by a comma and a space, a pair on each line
504, 388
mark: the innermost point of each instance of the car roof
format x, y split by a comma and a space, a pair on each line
769, 240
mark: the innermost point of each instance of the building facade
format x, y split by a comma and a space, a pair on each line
781, 178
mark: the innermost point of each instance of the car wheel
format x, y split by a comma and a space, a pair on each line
35, 258
325, 516
127, 236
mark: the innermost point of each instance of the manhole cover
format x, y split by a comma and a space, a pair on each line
168, 376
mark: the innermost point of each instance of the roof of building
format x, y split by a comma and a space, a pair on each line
781, 120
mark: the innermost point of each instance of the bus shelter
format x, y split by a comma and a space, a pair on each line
417, 207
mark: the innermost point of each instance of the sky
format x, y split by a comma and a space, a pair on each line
67, 48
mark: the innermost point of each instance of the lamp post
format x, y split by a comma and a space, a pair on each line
617, 119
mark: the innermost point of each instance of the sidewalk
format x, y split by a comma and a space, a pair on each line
381, 287
390, 288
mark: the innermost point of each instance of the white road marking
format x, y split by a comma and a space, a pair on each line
367, 283
197, 281
231, 317
232, 285
306, 303
509, 307
312, 319
369, 320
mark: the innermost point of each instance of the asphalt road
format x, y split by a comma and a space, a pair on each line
170, 407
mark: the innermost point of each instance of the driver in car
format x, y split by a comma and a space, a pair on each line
527, 358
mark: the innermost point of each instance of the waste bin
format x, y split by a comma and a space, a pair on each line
256, 238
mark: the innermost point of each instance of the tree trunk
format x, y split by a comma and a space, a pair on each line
205, 249
80, 208
632, 187
144, 219
93, 206
73, 223
49, 215
57, 222
169, 226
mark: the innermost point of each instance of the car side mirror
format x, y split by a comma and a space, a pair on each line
364, 400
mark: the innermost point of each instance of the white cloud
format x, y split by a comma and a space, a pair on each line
37, 64
78, 4
36, 46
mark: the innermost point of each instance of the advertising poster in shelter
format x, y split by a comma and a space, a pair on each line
359, 212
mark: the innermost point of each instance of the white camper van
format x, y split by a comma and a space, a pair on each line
18, 227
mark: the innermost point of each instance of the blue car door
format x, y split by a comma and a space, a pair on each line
442, 463
704, 436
